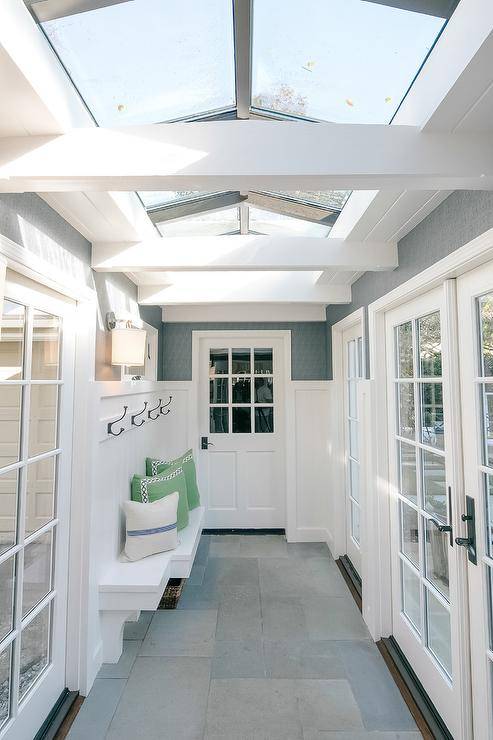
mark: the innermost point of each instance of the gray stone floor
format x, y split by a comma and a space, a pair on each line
267, 644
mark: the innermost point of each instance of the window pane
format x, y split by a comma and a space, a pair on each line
355, 522
42, 419
40, 497
409, 533
353, 440
408, 478
344, 61
489, 513
436, 550
37, 571
219, 390
154, 198
438, 619
208, 223
487, 390
35, 646
149, 61
406, 410
8, 509
10, 423
352, 397
486, 319
434, 488
264, 390
405, 367
361, 364
240, 361
264, 419
432, 428
242, 420
6, 598
269, 222
430, 345
241, 390
5, 663
354, 479
46, 346
351, 357
219, 422
411, 596
263, 361
218, 362
12, 341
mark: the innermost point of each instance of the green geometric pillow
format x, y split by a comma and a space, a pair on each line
147, 489
156, 467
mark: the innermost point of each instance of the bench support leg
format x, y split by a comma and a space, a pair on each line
112, 623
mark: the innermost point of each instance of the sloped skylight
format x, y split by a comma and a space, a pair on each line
267, 222
156, 198
345, 61
211, 223
324, 198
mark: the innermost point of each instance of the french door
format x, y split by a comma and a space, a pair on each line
241, 410
36, 389
353, 371
425, 561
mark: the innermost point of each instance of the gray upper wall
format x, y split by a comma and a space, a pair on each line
461, 217
308, 346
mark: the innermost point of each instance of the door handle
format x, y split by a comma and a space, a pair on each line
205, 444
469, 542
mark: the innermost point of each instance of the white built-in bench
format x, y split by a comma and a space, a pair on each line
126, 589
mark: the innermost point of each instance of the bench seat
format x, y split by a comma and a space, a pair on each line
126, 589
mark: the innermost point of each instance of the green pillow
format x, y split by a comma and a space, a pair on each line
156, 467
147, 489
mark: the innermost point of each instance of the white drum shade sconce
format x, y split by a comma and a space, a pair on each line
128, 344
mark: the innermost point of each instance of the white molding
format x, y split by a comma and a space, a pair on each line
265, 312
352, 319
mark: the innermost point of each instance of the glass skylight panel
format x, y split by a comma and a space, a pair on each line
209, 223
156, 198
147, 61
346, 61
268, 222
324, 198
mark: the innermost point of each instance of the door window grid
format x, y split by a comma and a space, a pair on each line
30, 352
419, 439
242, 392
354, 373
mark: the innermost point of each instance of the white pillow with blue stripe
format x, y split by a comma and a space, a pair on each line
151, 527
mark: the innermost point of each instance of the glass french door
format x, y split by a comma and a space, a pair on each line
36, 387
425, 561
353, 371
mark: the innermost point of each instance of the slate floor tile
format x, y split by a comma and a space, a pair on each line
225, 546
263, 546
327, 705
305, 577
239, 616
137, 630
283, 618
202, 553
198, 597
238, 659
124, 666
181, 633
363, 735
97, 710
196, 577
302, 659
334, 618
308, 550
231, 571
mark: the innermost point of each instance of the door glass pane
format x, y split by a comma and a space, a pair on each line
411, 596
353, 411
240, 361
434, 488
409, 533
489, 578
37, 571
436, 560
42, 419
353, 439
360, 358
489, 513
264, 390
6, 597
5, 663
438, 620
218, 362
406, 410
355, 522
241, 390
219, 421
218, 390
8, 509
242, 421
12, 341
352, 369
40, 504
430, 345
486, 321
35, 639
487, 391
408, 478
46, 346
10, 423
263, 361
264, 419
432, 430
354, 479
405, 350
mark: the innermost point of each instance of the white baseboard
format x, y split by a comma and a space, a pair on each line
92, 669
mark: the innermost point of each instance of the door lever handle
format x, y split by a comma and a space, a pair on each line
440, 527
464, 541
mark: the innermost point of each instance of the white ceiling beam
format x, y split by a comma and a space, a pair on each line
240, 287
242, 10
236, 155
238, 252
50, 10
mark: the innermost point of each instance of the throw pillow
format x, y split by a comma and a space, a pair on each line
156, 467
147, 489
151, 528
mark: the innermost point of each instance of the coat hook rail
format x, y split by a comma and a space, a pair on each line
156, 408
163, 413
112, 423
139, 413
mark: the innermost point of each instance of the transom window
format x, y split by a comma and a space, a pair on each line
241, 391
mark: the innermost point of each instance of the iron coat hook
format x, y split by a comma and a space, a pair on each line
156, 408
112, 423
139, 413
163, 413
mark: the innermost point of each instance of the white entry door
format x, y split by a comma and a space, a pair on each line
424, 559
36, 391
241, 418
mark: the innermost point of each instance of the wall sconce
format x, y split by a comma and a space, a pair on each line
128, 344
